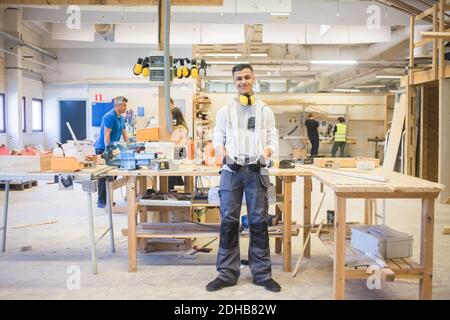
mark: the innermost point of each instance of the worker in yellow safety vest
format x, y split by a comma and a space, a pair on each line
340, 138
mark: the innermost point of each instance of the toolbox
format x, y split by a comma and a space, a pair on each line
383, 241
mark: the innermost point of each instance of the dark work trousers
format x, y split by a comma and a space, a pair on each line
101, 184
314, 146
232, 186
338, 145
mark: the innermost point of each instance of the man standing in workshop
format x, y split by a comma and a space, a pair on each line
111, 130
245, 136
340, 138
313, 134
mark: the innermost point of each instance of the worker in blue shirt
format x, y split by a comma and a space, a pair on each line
111, 130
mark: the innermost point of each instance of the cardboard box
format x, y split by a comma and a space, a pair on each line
382, 240
299, 153
18, 163
147, 134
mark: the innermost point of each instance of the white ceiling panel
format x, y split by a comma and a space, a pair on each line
136, 33
222, 33
61, 32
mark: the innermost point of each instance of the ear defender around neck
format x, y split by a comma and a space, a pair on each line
246, 99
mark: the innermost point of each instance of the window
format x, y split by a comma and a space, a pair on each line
24, 114
37, 113
2, 113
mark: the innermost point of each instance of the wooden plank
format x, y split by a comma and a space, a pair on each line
287, 222
343, 162
441, 37
410, 136
132, 239
398, 121
181, 226
307, 190
339, 255
118, 2
422, 42
17, 163
387, 274
426, 248
436, 35
424, 14
411, 48
354, 174
446, 230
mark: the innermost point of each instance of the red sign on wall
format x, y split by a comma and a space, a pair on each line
98, 97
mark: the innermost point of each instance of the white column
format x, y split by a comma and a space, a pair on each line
13, 63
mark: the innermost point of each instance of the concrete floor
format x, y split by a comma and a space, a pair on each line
42, 272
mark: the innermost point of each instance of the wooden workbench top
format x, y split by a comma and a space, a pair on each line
196, 170
384, 181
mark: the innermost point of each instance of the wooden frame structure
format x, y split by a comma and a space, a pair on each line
434, 72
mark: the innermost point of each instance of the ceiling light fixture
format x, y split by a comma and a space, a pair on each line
226, 62
223, 54
334, 62
283, 14
346, 90
370, 86
388, 77
258, 54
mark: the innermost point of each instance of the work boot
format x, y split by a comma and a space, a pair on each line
218, 284
269, 284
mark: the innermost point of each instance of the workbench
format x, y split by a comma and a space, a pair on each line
284, 180
353, 185
87, 177
397, 186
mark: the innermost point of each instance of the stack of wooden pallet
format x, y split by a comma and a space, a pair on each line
18, 185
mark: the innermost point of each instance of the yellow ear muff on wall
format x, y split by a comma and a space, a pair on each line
246, 99
146, 67
185, 69
137, 69
194, 69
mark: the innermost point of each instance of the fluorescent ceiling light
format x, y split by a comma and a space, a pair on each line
223, 81
370, 86
258, 54
279, 14
226, 62
337, 62
389, 77
223, 54
346, 90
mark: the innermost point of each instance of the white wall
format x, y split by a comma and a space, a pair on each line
80, 74
137, 95
364, 121
32, 87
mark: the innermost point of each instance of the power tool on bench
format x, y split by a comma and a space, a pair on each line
128, 157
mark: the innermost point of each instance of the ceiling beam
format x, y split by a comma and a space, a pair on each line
115, 2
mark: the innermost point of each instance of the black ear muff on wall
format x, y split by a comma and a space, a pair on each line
246, 99
175, 68
194, 69
137, 69
202, 69
146, 67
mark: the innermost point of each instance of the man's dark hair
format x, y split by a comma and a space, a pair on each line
311, 115
240, 67
341, 119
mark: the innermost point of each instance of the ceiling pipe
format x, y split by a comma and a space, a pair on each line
20, 42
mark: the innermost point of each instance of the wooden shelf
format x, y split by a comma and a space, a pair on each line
357, 262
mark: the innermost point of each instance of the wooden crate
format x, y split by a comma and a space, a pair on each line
18, 163
18, 185
343, 162
66, 164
